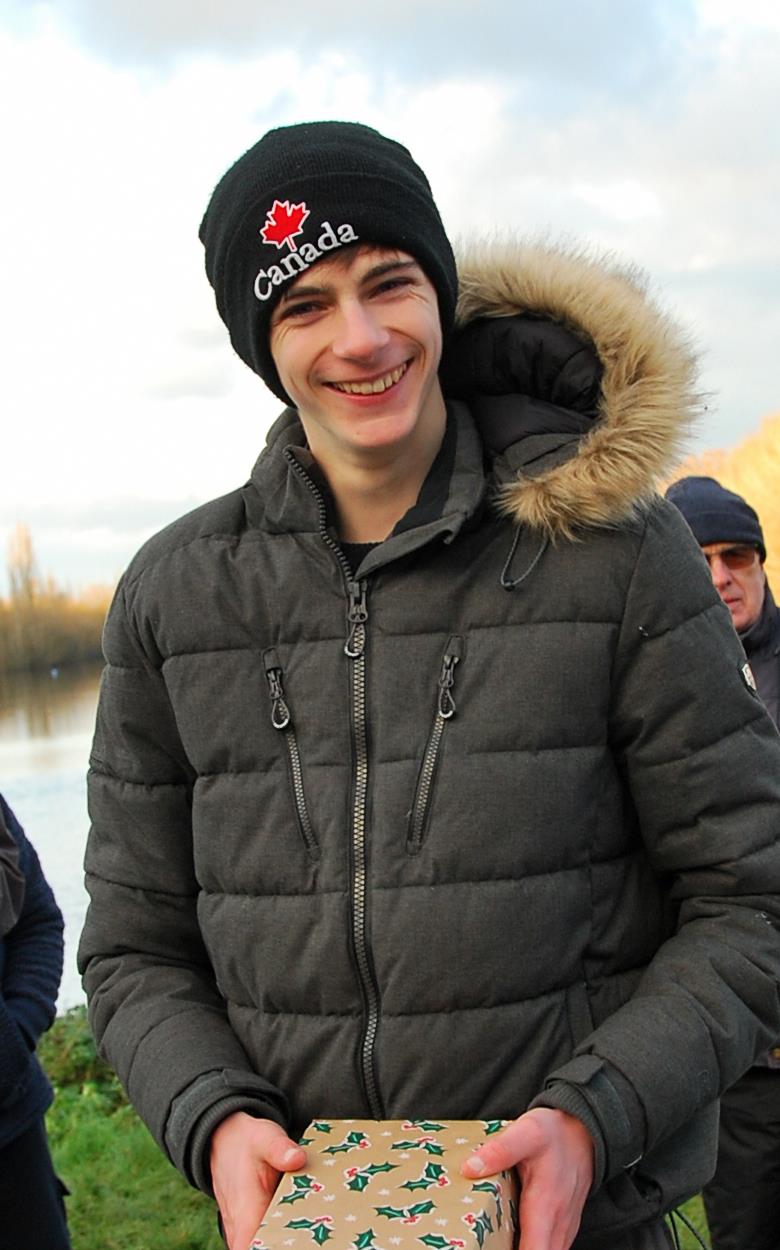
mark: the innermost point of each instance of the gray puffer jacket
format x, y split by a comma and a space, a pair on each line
493, 822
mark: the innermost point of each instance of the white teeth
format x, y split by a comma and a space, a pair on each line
372, 388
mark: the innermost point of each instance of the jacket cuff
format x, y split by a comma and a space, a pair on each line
598, 1095
33, 1016
204, 1104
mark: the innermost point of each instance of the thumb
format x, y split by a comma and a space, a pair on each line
509, 1147
281, 1152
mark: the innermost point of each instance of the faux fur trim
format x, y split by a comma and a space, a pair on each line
648, 396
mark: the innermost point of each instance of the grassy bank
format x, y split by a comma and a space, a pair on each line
124, 1193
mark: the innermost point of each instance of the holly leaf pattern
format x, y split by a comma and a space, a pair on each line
364, 1241
492, 1126
423, 1143
433, 1174
283, 223
479, 1225
302, 1187
359, 1182
350, 1142
421, 1208
391, 1213
318, 1228
410, 1215
359, 1178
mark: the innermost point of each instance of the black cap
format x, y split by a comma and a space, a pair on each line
716, 515
297, 196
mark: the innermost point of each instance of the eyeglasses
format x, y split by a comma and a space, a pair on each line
734, 558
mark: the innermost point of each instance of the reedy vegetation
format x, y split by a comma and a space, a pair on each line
41, 625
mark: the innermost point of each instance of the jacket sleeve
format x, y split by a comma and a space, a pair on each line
33, 948
701, 759
155, 1009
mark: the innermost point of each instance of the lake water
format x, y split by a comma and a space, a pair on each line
46, 728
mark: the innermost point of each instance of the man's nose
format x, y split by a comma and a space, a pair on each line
719, 572
359, 334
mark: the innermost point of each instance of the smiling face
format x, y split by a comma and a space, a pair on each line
357, 341
738, 576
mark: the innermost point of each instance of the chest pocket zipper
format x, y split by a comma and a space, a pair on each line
445, 710
281, 719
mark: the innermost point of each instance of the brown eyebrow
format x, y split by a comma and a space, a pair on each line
376, 271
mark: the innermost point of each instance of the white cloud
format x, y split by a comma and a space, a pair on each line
117, 371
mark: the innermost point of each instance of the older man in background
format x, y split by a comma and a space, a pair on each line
743, 1199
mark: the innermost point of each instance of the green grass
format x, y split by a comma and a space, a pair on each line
125, 1195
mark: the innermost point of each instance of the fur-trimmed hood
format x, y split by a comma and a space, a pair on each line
584, 390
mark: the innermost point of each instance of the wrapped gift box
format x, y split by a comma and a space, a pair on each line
391, 1185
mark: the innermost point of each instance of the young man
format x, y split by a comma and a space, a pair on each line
426, 778
743, 1198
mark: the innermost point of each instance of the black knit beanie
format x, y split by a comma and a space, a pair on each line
716, 515
297, 196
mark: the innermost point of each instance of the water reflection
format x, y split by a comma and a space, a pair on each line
40, 705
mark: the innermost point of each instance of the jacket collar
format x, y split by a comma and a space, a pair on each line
764, 633
286, 493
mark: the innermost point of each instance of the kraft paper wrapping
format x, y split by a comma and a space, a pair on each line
391, 1185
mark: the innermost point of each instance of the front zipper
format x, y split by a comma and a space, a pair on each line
281, 719
354, 649
445, 710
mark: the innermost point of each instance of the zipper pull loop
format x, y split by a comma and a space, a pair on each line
357, 615
447, 707
280, 712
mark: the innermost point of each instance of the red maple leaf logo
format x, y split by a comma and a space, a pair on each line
283, 222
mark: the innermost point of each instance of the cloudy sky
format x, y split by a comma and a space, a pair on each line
650, 130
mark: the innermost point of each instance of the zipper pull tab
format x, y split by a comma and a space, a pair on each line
357, 615
280, 712
447, 707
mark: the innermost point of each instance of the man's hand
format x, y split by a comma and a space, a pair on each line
553, 1154
247, 1156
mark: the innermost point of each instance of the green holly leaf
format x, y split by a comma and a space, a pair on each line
434, 1171
485, 1187
421, 1183
434, 1240
427, 1126
321, 1126
481, 1226
350, 1141
302, 1186
432, 1148
322, 1234
405, 1145
391, 1213
305, 1141
359, 1182
300, 1224
364, 1241
421, 1208
374, 1168
492, 1126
